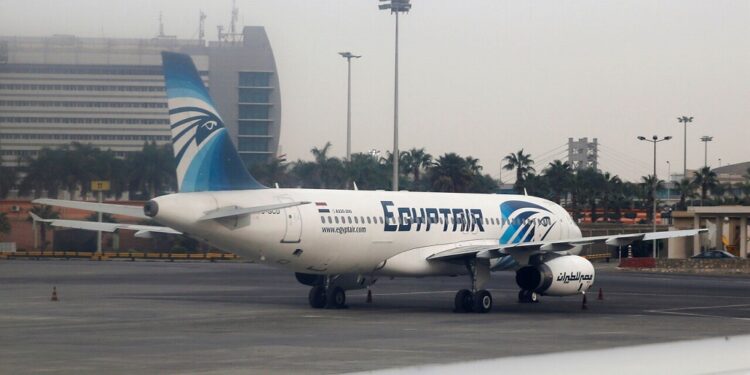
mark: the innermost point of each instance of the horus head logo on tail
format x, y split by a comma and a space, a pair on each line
206, 158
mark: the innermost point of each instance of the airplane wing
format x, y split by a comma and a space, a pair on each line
142, 230
135, 211
522, 251
115, 209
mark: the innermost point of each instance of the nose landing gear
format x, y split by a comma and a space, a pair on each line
528, 296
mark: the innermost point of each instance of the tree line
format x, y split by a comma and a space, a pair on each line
151, 172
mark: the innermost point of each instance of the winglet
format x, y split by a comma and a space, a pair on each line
36, 218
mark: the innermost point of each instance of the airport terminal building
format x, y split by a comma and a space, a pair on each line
110, 92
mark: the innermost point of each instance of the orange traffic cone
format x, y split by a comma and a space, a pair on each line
583, 305
601, 295
54, 294
369, 295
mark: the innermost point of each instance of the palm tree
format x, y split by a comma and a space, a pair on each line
559, 175
450, 173
415, 160
522, 163
43, 174
686, 188
8, 178
274, 171
367, 172
330, 170
611, 187
647, 187
706, 179
5, 227
45, 212
592, 188
152, 171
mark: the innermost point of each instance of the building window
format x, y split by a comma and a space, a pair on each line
254, 127
250, 111
255, 79
254, 95
252, 144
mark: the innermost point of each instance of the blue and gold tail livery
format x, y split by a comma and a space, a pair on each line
206, 159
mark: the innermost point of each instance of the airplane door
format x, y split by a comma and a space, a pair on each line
293, 222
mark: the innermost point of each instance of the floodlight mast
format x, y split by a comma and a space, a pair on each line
705, 139
654, 139
396, 7
685, 120
349, 56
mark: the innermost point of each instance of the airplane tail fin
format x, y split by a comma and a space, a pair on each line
206, 158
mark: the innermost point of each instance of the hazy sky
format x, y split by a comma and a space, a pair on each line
481, 78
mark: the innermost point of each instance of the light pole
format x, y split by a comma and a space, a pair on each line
719, 162
705, 139
654, 140
348, 56
685, 120
396, 7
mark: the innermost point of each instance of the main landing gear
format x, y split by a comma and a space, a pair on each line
478, 301
330, 296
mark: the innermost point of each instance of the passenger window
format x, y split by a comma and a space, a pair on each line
349, 218
368, 220
329, 220
336, 218
381, 220
356, 220
322, 220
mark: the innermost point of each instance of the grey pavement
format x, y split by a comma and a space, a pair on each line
217, 318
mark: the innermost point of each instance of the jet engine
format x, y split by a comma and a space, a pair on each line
561, 275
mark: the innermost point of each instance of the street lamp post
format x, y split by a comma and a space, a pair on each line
705, 139
348, 56
396, 7
685, 120
654, 140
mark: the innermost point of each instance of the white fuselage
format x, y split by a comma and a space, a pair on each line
365, 232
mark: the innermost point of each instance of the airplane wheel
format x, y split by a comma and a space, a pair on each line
528, 296
464, 301
533, 297
336, 298
482, 301
317, 297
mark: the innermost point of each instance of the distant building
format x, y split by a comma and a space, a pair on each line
732, 173
110, 92
583, 154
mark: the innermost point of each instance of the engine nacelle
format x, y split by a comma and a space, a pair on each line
560, 276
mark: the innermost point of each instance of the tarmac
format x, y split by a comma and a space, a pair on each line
228, 317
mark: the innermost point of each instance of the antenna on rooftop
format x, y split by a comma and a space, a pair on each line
161, 26
202, 29
232, 36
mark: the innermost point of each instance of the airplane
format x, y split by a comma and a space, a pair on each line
339, 240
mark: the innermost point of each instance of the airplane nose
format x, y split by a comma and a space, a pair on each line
151, 208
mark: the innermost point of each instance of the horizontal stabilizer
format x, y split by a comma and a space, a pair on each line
114, 209
230, 211
104, 227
